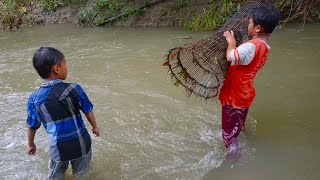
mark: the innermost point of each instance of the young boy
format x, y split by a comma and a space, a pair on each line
57, 105
237, 92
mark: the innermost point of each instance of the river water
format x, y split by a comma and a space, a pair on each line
149, 128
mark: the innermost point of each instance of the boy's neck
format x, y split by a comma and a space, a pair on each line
264, 37
50, 82
46, 80
52, 77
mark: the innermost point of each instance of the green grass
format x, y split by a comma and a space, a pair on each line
111, 8
11, 11
50, 5
73, 3
212, 18
176, 5
85, 18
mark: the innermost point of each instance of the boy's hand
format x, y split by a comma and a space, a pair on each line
229, 35
31, 149
96, 131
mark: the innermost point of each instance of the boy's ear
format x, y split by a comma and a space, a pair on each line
55, 69
259, 29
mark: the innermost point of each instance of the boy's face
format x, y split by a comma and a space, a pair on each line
63, 70
252, 29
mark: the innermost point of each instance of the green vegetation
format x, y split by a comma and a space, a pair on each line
11, 12
7, 12
106, 9
212, 18
200, 15
76, 3
219, 12
176, 5
53, 5
86, 18
50, 5
111, 8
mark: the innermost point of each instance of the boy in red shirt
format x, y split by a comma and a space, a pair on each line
237, 92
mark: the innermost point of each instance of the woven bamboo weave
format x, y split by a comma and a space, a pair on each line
200, 67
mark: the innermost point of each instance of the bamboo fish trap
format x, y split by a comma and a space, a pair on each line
200, 67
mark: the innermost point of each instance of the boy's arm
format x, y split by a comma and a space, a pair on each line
241, 55
92, 120
87, 107
232, 44
31, 146
33, 122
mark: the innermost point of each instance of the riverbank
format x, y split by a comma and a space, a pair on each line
191, 15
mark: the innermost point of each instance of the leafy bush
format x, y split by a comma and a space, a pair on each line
50, 5
11, 12
86, 17
108, 8
178, 4
213, 18
76, 3
111, 6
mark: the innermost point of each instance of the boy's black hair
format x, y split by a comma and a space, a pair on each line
267, 17
44, 58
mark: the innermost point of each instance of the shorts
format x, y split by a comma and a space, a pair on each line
232, 122
80, 166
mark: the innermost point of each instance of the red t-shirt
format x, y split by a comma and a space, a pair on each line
246, 60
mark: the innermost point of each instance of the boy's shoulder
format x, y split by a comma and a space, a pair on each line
252, 41
42, 92
254, 44
257, 42
36, 96
67, 87
72, 85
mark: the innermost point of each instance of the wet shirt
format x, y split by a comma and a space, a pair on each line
246, 60
57, 106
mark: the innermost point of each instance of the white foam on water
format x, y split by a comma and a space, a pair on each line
211, 160
185, 149
15, 163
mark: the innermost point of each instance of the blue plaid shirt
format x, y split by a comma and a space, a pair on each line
57, 105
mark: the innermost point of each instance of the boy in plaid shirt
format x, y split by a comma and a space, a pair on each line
57, 106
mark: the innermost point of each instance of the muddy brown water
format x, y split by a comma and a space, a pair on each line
150, 129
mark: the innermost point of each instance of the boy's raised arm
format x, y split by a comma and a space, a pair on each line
232, 44
92, 120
